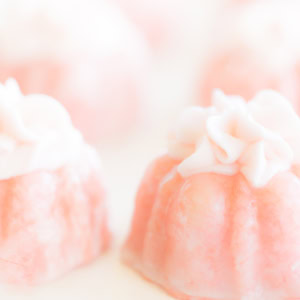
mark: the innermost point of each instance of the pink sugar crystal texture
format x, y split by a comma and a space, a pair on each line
52, 222
212, 236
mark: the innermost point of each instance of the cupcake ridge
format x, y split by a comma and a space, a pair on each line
53, 198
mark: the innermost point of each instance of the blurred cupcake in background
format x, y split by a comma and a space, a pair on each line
240, 1
255, 46
159, 20
86, 54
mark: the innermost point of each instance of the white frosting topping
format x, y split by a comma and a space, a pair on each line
36, 133
259, 138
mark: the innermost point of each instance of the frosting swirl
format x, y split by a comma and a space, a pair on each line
35, 133
258, 138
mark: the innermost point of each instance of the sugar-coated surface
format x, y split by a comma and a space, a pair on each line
106, 278
52, 221
214, 236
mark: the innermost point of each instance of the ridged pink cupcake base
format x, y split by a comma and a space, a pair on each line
52, 222
212, 236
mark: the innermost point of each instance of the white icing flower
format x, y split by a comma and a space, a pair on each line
35, 133
259, 138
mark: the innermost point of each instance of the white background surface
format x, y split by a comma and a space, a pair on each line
170, 88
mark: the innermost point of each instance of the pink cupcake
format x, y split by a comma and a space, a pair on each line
218, 216
255, 47
86, 54
53, 211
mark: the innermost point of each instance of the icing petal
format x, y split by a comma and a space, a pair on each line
36, 133
258, 139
